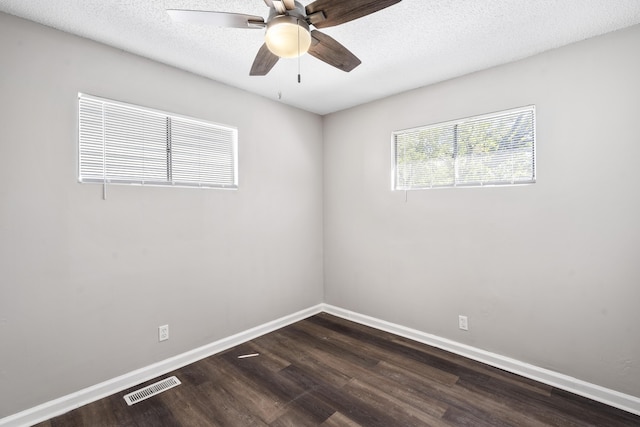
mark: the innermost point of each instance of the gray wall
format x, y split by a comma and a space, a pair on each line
548, 273
85, 282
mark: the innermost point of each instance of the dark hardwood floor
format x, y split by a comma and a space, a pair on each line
326, 371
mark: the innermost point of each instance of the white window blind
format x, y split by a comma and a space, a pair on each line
127, 144
493, 149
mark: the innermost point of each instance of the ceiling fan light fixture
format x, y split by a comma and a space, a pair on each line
288, 36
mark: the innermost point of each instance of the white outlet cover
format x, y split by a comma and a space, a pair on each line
463, 323
163, 333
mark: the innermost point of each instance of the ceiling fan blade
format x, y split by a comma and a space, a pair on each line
264, 62
220, 19
333, 53
335, 12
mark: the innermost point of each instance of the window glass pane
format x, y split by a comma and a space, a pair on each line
494, 149
123, 143
202, 153
135, 145
424, 158
91, 137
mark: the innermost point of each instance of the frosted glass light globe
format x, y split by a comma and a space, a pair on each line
288, 36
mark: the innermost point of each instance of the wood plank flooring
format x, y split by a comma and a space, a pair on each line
326, 371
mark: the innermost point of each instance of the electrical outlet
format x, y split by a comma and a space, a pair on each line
163, 333
463, 323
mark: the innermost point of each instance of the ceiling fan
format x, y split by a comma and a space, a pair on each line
288, 32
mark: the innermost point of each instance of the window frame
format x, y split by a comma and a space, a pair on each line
453, 124
169, 165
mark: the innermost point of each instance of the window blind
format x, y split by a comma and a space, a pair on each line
127, 144
494, 149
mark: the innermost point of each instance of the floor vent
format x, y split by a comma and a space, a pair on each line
151, 390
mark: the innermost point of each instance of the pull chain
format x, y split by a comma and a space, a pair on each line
299, 78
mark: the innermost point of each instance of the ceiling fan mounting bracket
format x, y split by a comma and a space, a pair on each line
316, 17
256, 24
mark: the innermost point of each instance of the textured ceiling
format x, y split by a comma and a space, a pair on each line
411, 44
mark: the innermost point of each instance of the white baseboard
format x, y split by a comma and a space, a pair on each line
72, 401
595, 392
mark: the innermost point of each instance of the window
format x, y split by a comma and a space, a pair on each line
494, 149
126, 144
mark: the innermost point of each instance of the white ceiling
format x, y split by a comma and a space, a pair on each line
411, 44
